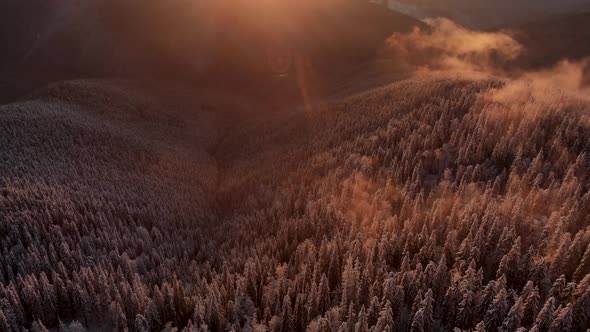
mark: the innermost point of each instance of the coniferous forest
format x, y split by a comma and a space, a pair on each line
424, 205
435, 201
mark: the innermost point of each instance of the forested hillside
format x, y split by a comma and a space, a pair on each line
429, 204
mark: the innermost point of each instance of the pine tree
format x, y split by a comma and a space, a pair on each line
531, 303
428, 310
4, 326
485, 299
311, 307
557, 263
334, 270
417, 303
563, 320
152, 316
373, 312
418, 324
117, 314
514, 317
299, 312
451, 300
386, 319
362, 324
558, 289
465, 316
324, 325
509, 264
168, 307
287, 320
141, 324
350, 319
388, 288
545, 316
439, 283
398, 301
38, 327
49, 298
584, 266
581, 307
244, 308
497, 311
350, 282
324, 294
480, 327
189, 327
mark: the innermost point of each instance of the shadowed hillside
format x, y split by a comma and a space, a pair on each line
224, 43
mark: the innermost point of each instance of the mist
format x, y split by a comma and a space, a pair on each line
447, 48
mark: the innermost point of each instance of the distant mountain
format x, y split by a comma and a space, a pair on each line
485, 14
549, 41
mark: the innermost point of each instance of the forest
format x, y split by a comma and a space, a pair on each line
440, 184
434, 203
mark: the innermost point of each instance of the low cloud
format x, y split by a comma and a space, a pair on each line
568, 75
563, 88
449, 49
447, 46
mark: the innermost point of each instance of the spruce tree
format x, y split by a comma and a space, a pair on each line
386, 320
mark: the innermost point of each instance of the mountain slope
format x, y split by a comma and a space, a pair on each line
123, 210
